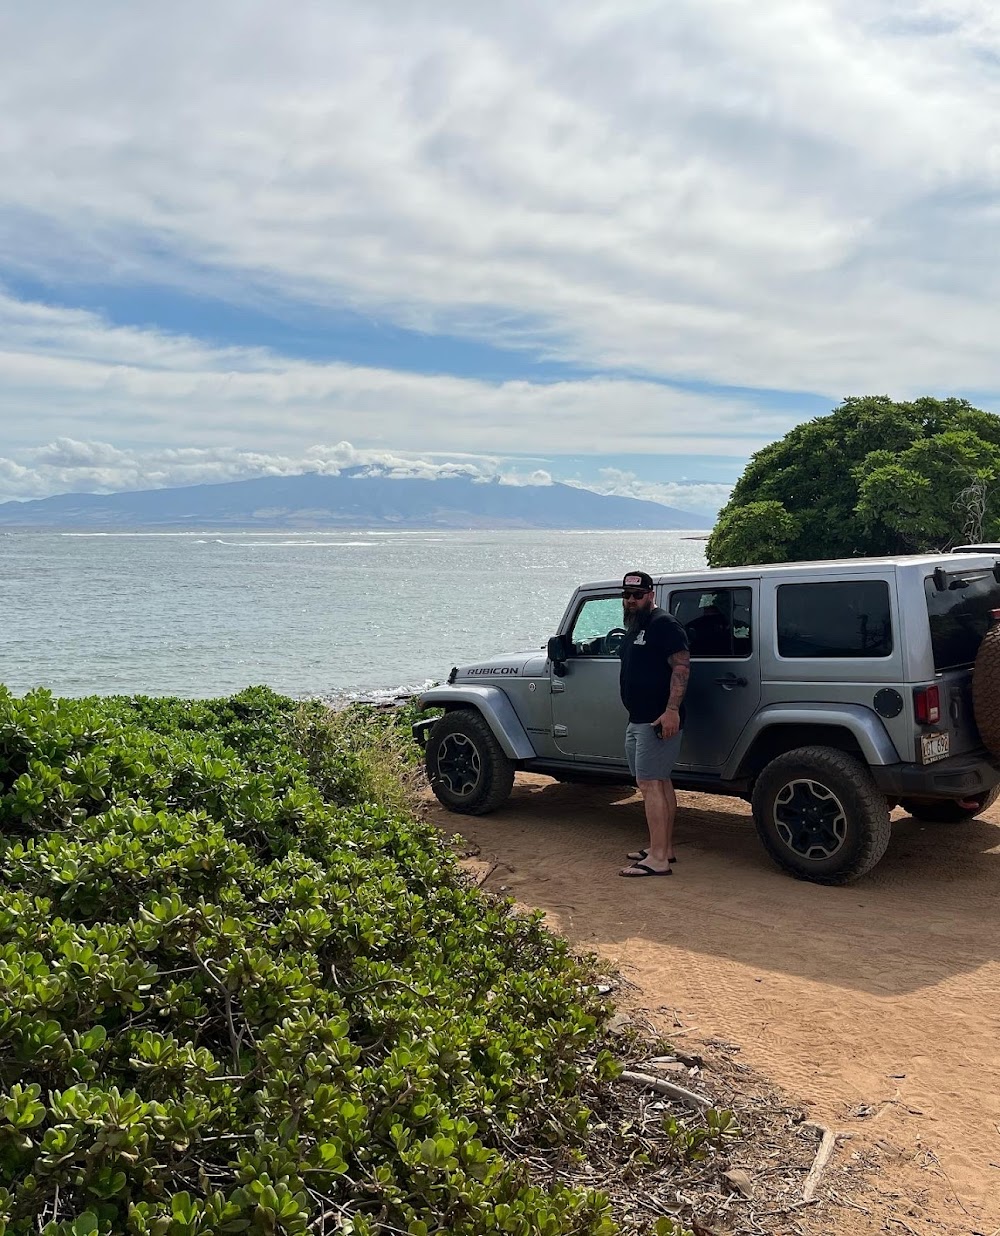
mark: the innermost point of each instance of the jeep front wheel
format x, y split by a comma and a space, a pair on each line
949, 810
466, 766
820, 815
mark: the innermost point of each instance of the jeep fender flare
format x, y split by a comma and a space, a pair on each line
494, 707
864, 726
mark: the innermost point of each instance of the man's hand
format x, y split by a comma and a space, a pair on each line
669, 722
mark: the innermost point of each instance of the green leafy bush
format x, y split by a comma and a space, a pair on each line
243, 991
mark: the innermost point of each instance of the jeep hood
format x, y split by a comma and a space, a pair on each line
528, 664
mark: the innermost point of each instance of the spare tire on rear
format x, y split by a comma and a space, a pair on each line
986, 690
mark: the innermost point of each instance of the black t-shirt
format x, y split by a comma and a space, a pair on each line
645, 672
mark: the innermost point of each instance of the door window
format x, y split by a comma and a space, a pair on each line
598, 627
717, 620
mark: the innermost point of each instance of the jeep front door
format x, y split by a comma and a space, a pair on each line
724, 690
588, 720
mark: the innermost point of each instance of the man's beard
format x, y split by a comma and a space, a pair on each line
638, 616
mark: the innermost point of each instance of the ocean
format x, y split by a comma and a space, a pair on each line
329, 615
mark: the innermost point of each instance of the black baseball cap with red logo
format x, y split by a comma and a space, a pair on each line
637, 581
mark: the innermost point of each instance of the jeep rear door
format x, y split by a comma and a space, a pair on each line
960, 602
724, 691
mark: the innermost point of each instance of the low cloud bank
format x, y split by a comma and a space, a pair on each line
69, 466
708, 496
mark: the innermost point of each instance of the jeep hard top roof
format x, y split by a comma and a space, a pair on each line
835, 566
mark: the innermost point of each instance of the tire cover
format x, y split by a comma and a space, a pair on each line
986, 690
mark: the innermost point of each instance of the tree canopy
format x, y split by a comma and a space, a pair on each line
874, 477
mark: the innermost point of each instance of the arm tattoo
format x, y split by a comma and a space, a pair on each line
680, 671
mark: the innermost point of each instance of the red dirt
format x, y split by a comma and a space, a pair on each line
875, 1006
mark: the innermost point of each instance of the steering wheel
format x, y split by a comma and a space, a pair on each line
613, 640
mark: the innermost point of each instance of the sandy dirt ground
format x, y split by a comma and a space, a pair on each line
876, 1006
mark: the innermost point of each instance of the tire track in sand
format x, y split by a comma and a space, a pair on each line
876, 1005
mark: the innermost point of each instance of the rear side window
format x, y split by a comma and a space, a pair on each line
850, 618
716, 620
960, 616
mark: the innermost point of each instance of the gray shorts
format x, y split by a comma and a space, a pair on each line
650, 758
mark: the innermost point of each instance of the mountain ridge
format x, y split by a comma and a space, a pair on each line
351, 499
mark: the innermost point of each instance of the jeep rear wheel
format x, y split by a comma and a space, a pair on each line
949, 810
466, 766
820, 815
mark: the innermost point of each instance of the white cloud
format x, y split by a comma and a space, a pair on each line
70, 466
68, 374
66, 465
797, 195
537, 476
707, 496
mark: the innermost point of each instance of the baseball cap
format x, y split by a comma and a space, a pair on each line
638, 579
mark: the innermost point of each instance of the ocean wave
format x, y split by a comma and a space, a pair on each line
130, 534
291, 544
374, 695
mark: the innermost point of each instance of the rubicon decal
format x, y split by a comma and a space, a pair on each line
487, 670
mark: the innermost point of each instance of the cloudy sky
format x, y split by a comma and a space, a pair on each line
626, 242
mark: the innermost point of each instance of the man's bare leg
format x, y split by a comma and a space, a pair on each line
670, 800
660, 806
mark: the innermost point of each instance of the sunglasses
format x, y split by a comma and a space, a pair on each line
635, 594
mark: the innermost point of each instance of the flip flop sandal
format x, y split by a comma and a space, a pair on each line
638, 856
641, 871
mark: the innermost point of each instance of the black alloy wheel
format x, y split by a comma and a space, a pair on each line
459, 766
810, 819
820, 815
467, 768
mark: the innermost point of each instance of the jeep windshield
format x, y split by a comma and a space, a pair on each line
959, 615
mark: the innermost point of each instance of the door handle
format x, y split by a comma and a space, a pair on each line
731, 680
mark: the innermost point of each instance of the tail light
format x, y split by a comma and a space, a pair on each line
927, 705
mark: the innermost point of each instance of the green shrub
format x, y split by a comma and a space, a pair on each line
360, 754
244, 991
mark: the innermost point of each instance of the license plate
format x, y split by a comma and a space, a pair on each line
934, 747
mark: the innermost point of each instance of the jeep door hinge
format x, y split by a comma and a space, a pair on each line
559, 731
557, 685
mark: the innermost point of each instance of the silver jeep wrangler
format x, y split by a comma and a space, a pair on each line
822, 692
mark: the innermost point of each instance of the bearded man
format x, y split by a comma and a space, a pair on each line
655, 666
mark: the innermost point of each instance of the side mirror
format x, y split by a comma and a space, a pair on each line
558, 649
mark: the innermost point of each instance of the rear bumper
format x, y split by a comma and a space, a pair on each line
961, 776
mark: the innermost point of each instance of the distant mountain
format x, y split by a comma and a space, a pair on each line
351, 500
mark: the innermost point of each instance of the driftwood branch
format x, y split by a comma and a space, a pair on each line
481, 880
828, 1141
670, 1089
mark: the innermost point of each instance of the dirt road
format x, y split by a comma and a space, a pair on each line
876, 1005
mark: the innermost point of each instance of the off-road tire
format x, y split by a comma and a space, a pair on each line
849, 831
948, 810
986, 690
467, 768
